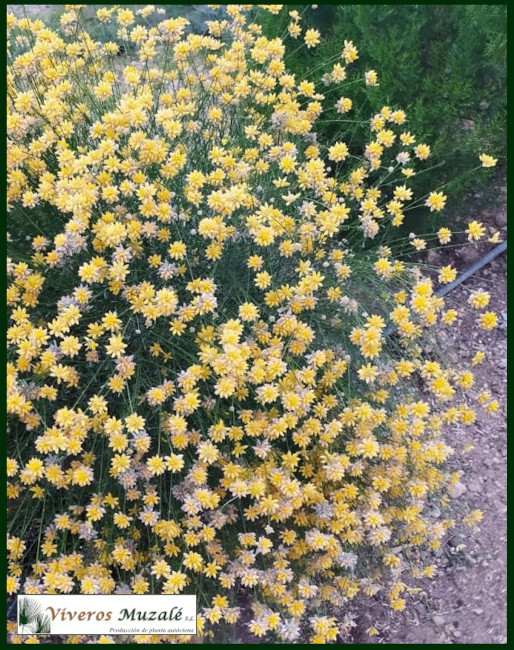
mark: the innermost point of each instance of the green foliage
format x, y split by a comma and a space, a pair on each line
444, 64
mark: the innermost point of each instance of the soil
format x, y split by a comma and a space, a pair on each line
466, 602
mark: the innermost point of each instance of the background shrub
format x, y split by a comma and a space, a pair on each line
444, 65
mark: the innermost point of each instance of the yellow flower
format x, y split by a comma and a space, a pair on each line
13, 585
475, 231
177, 250
248, 312
156, 465
487, 161
368, 373
422, 151
488, 320
350, 53
175, 583
225, 387
478, 358
444, 235
338, 152
371, 78
436, 201
447, 274
479, 299
312, 38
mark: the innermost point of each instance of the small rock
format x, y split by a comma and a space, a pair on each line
501, 219
438, 620
457, 490
433, 257
468, 254
475, 485
502, 363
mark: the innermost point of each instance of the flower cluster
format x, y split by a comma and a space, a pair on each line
201, 391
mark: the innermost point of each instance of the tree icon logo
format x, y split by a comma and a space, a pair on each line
31, 619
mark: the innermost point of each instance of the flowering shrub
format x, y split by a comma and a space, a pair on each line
202, 396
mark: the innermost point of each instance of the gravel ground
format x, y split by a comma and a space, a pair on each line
466, 602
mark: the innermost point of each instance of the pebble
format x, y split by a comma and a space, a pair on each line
433, 257
478, 611
469, 254
457, 490
438, 620
475, 485
501, 219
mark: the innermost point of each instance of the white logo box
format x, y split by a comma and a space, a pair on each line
106, 614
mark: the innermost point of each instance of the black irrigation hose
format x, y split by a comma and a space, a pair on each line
488, 257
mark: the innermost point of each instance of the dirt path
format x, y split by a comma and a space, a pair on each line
466, 602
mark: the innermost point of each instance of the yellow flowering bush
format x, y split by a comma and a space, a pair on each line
202, 396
